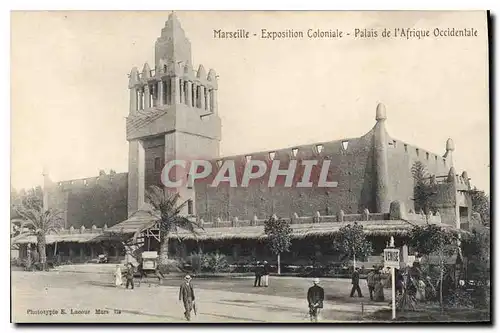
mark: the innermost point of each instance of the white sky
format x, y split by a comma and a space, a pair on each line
70, 98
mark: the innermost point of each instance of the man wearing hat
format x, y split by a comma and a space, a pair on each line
186, 295
315, 298
258, 274
129, 275
355, 283
370, 281
265, 273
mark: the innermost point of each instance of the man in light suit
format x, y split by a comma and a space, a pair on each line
186, 295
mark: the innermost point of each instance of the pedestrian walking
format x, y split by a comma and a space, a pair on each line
370, 281
186, 295
258, 274
315, 298
355, 283
118, 276
129, 275
266, 269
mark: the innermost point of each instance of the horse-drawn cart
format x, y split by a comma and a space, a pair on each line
148, 267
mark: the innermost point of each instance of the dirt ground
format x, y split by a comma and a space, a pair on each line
86, 293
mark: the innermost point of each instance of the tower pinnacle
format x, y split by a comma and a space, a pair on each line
173, 46
450, 146
380, 113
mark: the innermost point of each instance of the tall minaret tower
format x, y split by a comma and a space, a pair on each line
173, 115
382, 194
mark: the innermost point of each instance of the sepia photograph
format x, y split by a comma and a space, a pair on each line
250, 167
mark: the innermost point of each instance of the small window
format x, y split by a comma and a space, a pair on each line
444, 161
436, 158
394, 143
190, 207
271, 155
85, 182
248, 158
427, 155
319, 148
157, 164
417, 151
406, 148
345, 144
294, 152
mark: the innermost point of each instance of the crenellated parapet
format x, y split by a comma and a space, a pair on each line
396, 213
172, 83
112, 179
172, 80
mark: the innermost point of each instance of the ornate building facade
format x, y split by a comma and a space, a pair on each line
174, 114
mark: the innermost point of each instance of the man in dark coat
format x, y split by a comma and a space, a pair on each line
315, 298
129, 275
355, 283
186, 295
258, 274
370, 281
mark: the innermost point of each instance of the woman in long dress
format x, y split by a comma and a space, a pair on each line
118, 276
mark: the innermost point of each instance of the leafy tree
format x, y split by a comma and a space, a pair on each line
424, 191
476, 248
32, 198
39, 222
168, 215
351, 242
481, 204
433, 239
279, 237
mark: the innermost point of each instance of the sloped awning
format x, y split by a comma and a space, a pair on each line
64, 238
137, 222
372, 228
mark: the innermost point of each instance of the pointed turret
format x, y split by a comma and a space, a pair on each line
146, 71
133, 83
380, 113
133, 78
382, 195
450, 147
212, 78
201, 74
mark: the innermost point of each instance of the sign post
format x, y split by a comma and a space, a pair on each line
391, 259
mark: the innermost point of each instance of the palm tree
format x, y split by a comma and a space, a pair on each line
35, 220
168, 214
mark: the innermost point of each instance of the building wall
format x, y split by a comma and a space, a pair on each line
401, 157
352, 168
154, 160
91, 201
